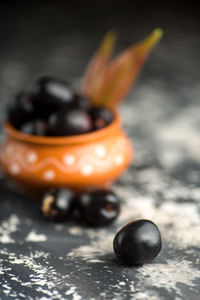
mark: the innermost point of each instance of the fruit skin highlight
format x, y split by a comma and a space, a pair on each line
57, 204
34, 127
137, 243
69, 122
101, 117
99, 207
49, 94
20, 109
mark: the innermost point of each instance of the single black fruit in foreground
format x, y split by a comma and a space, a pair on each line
49, 94
101, 117
35, 127
20, 109
137, 243
99, 207
57, 204
67, 122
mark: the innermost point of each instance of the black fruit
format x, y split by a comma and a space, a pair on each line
81, 102
57, 204
101, 117
137, 243
20, 109
99, 207
49, 94
35, 127
67, 122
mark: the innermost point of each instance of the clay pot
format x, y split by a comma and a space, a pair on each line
89, 160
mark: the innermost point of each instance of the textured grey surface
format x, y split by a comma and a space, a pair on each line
40, 260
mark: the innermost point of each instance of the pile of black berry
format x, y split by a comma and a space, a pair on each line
98, 207
136, 243
52, 108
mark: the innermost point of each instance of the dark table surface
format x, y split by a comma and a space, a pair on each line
41, 260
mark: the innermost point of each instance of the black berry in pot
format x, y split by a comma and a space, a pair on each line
35, 127
99, 207
50, 93
57, 204
137, 243
20, 109
66, 122
79, 101
101, 117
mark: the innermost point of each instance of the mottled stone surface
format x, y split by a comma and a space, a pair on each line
40, 260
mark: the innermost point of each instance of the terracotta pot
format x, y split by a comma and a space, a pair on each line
89, 160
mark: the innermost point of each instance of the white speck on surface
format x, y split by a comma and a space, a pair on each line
87, 169
7, 227
35, 237
101, 244
69, 159
167, 276
32, 157
75, 230
6, 286
49, 175
43, 278
22, 295
76, 296
58, 227
95, 260
100, 151
71, 290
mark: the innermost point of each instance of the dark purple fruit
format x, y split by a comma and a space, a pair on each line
81, 102
137, 243
99, 207
67, 122
101, 117
35, 127
57, 204
49, 94
20, 109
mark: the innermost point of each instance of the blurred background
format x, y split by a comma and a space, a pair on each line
59, 37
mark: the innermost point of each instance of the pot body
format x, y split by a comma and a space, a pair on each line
79, 162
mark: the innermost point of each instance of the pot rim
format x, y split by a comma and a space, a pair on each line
76, 139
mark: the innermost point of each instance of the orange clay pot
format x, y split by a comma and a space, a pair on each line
79, 162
